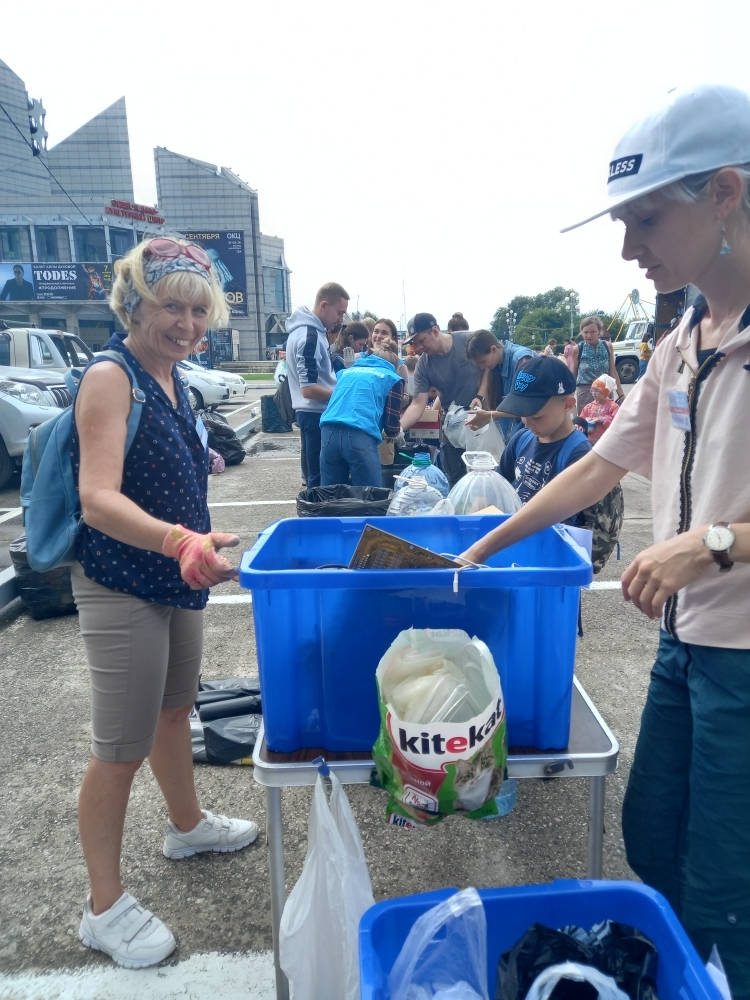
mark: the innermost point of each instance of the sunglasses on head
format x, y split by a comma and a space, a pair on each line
165, 247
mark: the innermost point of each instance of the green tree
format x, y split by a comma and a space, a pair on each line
537, 325
369, 315
522, 305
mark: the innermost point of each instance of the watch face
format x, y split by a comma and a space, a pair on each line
719, 539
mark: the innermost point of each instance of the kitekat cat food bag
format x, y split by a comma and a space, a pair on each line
442, 746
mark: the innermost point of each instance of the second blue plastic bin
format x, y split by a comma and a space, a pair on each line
321, 632
511, 911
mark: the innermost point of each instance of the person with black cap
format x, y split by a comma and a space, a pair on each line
543, 396
443, 363
679, 180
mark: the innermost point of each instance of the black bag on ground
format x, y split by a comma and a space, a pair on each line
344, 501
45, 595
221, 437
231, 739
247, 685
272, 421
617, 950
248, 705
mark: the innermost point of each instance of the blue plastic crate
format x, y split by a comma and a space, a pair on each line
321, 632
510, 912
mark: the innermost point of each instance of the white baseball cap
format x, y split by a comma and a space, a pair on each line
704, 128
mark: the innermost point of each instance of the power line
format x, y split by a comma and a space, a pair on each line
33, 153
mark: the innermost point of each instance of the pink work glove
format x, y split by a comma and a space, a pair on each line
200, 566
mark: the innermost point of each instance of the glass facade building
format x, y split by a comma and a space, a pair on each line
95, 220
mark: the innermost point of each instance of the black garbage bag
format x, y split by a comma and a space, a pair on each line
617, 950
271, 419
283, 400
248, 705
247, 685
45, 595
221, 437
231, 739
344, 501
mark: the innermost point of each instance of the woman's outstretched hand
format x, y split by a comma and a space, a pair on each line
663, 569
200, 565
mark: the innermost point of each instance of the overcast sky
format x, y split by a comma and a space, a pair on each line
429, 142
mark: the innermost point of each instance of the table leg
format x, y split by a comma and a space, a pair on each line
278, 887
596, 826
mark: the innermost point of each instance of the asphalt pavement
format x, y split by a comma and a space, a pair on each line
221, 903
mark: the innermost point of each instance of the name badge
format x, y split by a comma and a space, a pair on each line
203, 433
679, 409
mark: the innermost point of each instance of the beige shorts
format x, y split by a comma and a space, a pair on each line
143, 658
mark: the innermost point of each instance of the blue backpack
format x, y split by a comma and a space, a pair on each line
49, 495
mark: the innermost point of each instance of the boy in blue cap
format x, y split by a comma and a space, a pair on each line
543, 396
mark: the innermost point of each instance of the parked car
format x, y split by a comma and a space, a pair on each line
28, 397
207, 388
236, 383
51, 350
627, 350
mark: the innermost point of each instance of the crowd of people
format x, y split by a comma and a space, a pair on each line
147, 556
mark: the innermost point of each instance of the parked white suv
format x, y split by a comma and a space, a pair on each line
51, 350
27, 399
207, 388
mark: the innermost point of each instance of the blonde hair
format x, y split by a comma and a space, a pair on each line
184, 286
386, 354
692, 188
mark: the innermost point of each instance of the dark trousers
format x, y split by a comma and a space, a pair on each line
686, 814
453, 467
309, 427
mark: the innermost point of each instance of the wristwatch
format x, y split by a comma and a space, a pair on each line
718, 540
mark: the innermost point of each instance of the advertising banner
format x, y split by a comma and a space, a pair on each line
227, 251
72, 281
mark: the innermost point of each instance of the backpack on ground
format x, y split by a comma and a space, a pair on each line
604, 519
49, 495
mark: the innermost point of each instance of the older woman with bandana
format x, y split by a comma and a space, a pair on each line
146, 559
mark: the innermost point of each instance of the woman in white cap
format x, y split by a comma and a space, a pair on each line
679, 181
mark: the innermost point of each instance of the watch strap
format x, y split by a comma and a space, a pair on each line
722, 558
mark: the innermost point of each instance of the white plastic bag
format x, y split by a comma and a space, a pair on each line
546, 981
715, 969
452, 965
318, 943
487, 438
454, 425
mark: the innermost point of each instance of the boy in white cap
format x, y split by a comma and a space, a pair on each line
679, 182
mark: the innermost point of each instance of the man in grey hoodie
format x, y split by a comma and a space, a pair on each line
309, 371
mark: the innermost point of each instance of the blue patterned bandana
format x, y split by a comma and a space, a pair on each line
155, 268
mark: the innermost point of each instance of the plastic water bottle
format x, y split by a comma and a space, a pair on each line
506, 799
422, 466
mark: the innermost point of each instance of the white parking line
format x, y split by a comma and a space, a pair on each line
252, 503
606, 585
247, 976
245, 407
9, 513
230, 599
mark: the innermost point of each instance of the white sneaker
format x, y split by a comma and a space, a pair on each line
214, 833
132, 936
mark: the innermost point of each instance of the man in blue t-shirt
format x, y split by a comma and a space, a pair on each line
543, 396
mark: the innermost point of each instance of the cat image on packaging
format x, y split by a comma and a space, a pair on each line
442, 747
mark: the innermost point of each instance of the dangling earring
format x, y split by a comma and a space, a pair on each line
725, 247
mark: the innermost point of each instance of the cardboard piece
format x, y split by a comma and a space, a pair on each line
377, 549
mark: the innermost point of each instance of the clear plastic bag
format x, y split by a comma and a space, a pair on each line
452, 965
482, 487
421, 466
318, 937
546, 981
454, 425
487, 438
416, 497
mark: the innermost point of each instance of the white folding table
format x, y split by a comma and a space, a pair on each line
591, 753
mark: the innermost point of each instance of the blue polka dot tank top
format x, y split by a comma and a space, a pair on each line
166, 474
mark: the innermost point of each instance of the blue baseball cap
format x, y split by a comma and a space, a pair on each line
536, 382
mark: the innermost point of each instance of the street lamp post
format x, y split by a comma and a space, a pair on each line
512, 317
571, 302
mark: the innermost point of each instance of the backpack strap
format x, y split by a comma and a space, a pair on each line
137, 396
567, 449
